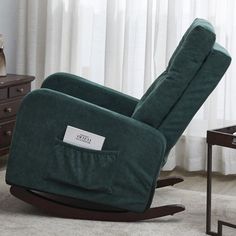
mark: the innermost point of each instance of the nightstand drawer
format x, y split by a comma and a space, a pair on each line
13, 88
19, 90
9, 109
3, 93
6, 131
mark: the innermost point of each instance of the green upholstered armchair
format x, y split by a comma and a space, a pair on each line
118, 182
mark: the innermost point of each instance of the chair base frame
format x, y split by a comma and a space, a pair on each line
65, 208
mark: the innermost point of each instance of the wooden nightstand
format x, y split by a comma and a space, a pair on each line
12, 90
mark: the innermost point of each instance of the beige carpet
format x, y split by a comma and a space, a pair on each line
18, 218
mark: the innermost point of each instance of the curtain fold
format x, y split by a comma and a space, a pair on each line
126, 44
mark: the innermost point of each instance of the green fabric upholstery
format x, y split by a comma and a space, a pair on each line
196, 23
184, 64
92, 92
123, 174
194, 96
201, 23
35, 152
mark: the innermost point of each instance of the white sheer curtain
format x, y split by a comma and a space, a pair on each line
125, 44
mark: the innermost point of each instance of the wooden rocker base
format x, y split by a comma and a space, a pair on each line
169, 181
60, 209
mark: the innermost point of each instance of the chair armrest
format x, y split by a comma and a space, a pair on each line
41, 124
89, 91
59, 109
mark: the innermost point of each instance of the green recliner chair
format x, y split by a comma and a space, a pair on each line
118, 182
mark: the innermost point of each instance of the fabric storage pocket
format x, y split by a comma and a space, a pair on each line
80, 167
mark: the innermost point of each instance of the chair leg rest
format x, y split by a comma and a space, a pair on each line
65, 211
169, 181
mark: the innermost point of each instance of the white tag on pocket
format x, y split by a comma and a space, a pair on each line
82, 138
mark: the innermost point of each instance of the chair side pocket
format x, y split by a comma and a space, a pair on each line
80, 167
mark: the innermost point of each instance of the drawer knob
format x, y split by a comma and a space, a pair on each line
8, 109
8, 133
21, 90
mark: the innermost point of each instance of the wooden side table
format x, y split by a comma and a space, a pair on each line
222, 137
12, 90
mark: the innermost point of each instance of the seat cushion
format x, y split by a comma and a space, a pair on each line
194, 47
194, 96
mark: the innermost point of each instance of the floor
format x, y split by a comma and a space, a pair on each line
3, 161
18, 218
21, 219
196, 181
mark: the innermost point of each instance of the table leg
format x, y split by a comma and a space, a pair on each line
209, 190
220, 226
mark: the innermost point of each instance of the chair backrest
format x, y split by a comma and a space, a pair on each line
184, 64
194, 70
196, 23
194, 96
